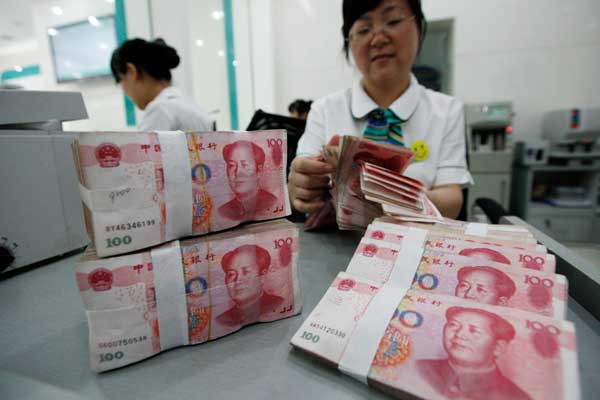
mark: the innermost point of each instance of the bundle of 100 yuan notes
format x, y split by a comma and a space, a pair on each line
421, 322
143, 189
188, 292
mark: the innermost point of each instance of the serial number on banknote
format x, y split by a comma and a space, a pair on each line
328, 330
122, 342
130, 225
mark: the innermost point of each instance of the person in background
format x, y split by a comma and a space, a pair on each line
143, 69
386, 104
299, 108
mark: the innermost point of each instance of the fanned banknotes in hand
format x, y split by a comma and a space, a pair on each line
188, 292
348, 154
143, 189
369, 182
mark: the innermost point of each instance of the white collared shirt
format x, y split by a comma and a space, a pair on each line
434, 118
170, 111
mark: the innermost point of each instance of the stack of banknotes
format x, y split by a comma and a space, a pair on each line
448, 312
143, 189
147, 189
367, 183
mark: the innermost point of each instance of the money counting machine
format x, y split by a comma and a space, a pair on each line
556, 184
40, 208
573, 136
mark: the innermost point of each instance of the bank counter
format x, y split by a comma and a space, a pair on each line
44, 340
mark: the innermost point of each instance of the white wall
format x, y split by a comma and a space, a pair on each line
307, 47
103, 99
539, 54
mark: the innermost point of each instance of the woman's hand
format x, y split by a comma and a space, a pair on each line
308, 183
447, 198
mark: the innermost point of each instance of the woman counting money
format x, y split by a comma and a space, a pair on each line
143, 69
383, 37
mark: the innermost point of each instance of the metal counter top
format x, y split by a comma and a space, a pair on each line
44, 345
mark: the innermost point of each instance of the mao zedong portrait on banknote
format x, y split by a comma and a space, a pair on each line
244, 268
245, 161
473, 340
484, 285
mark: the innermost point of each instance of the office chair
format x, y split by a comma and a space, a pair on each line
491, 208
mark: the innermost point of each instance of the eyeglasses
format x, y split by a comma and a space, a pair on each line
365, 33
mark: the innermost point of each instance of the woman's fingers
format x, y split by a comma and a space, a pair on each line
309, 181
307, 206
311, 166
307, 194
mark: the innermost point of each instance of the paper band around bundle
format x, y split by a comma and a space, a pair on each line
171, 306
364, 342
476, 229
178, 184
177, 189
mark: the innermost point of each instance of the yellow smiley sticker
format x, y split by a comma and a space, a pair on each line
421, 149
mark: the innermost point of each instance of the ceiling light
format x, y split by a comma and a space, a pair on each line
93, 21
110, 1
217, 15
220, 53
18, 68
57, 10
199, 42
52, 32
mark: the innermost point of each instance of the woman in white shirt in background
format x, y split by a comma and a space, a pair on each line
143, 69
386, 104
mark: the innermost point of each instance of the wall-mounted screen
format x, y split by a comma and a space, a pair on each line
83, 49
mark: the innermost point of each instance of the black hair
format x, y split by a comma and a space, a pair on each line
300, 106
154, 58
352, 10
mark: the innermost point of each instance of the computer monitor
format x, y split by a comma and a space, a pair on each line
83, 49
